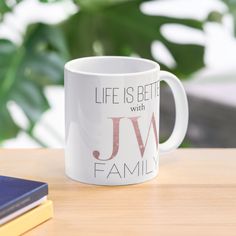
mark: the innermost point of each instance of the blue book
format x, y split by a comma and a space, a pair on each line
16, 194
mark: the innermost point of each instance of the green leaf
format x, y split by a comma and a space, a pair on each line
49, 1
215, 16
31, 100
4, 7
189, 58
101, 27
122, 29
232, 10
26, 70
7, 6
98, 4
8, 128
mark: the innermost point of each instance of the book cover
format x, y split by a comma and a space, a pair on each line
28, 221
18, 193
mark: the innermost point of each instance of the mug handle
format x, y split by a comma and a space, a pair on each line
181, 110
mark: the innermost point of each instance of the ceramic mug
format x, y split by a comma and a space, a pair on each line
112, 119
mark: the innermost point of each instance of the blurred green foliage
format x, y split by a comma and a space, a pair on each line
101, 27
232, 10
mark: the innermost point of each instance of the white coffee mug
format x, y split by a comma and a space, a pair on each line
112, 119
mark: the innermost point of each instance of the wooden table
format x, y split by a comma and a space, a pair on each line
194, 194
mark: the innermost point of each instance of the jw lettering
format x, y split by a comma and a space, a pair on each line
134, 125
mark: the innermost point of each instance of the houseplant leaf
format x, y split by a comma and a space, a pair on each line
122, 29
25, 71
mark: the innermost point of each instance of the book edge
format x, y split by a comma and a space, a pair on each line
23, 210
29, 220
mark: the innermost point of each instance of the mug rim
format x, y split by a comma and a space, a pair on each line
155, 66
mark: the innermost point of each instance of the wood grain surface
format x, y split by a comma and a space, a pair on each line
194, 194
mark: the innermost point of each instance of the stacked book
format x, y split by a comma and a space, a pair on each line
23, 205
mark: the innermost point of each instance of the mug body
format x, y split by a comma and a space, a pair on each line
112, 120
